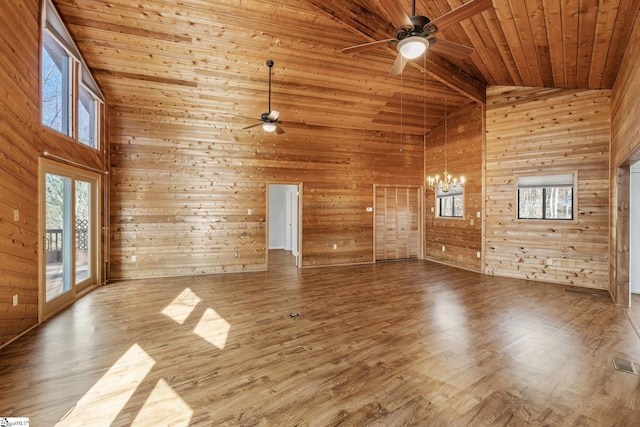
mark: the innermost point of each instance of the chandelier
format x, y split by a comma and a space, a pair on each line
447, 182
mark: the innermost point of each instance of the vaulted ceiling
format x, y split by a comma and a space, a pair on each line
206, 59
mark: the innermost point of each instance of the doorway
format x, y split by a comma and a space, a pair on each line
284, 222
69, 219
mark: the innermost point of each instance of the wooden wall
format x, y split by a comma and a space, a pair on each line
462, 238
22, 138
186, 194
534, 130
625, 149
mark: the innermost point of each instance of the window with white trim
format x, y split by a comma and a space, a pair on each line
87, 117
56, 91
451, 203
71, 99
546, 197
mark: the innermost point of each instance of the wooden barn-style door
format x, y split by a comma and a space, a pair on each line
398, 222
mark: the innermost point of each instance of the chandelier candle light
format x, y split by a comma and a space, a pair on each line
447, 183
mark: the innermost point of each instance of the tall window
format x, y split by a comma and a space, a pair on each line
73, 112
55, 86
87, 117
546, 197
451, 203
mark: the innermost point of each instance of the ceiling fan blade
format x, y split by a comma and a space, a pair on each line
446, 48
249, 118
465, 11
279, 130
394, 10
273, 115
252, 126
398, 65
366, 46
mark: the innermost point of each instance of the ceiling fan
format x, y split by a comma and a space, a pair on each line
414, 34
270, 122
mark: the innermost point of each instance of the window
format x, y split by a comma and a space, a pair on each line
55, 86
87, 117
72, 112
451, 203
546, 197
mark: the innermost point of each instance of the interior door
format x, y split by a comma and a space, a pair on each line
398, 225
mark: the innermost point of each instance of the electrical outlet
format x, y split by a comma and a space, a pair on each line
15, 300
335, 246
134, 258
478, 254
16, 214
249, 211
549, 261
478, 214
443, 248
236, 254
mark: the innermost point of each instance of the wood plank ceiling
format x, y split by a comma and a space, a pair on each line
206, 59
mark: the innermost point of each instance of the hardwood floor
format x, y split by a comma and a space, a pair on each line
389, 344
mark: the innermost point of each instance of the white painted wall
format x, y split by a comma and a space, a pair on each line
283, 217
634, 231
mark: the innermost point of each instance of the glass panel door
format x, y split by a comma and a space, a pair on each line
58, 237
83, 230
69, 222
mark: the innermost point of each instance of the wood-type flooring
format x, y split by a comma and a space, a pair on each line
386, 344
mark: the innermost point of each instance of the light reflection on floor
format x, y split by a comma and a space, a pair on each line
164, 407
120, 382
117, 385
182, 306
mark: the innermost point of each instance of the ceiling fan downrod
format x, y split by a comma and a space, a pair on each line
269, 64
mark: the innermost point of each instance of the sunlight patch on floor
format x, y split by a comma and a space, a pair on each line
213, 328
182, 306
104, 401
164, 407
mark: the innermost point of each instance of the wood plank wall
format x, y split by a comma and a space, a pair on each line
462, 238
625, 149
22, 138
186, 194
531, 131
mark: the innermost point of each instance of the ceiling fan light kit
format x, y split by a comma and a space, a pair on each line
269, 127
412, 47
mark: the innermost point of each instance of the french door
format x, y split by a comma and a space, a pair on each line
68, 223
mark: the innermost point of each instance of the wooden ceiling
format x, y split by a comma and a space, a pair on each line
206, 59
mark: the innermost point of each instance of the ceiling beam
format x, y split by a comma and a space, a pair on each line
434, 66
448, 74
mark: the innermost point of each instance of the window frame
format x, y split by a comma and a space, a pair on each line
546, 181
94, 121
51, 45
78, 78
453, 193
